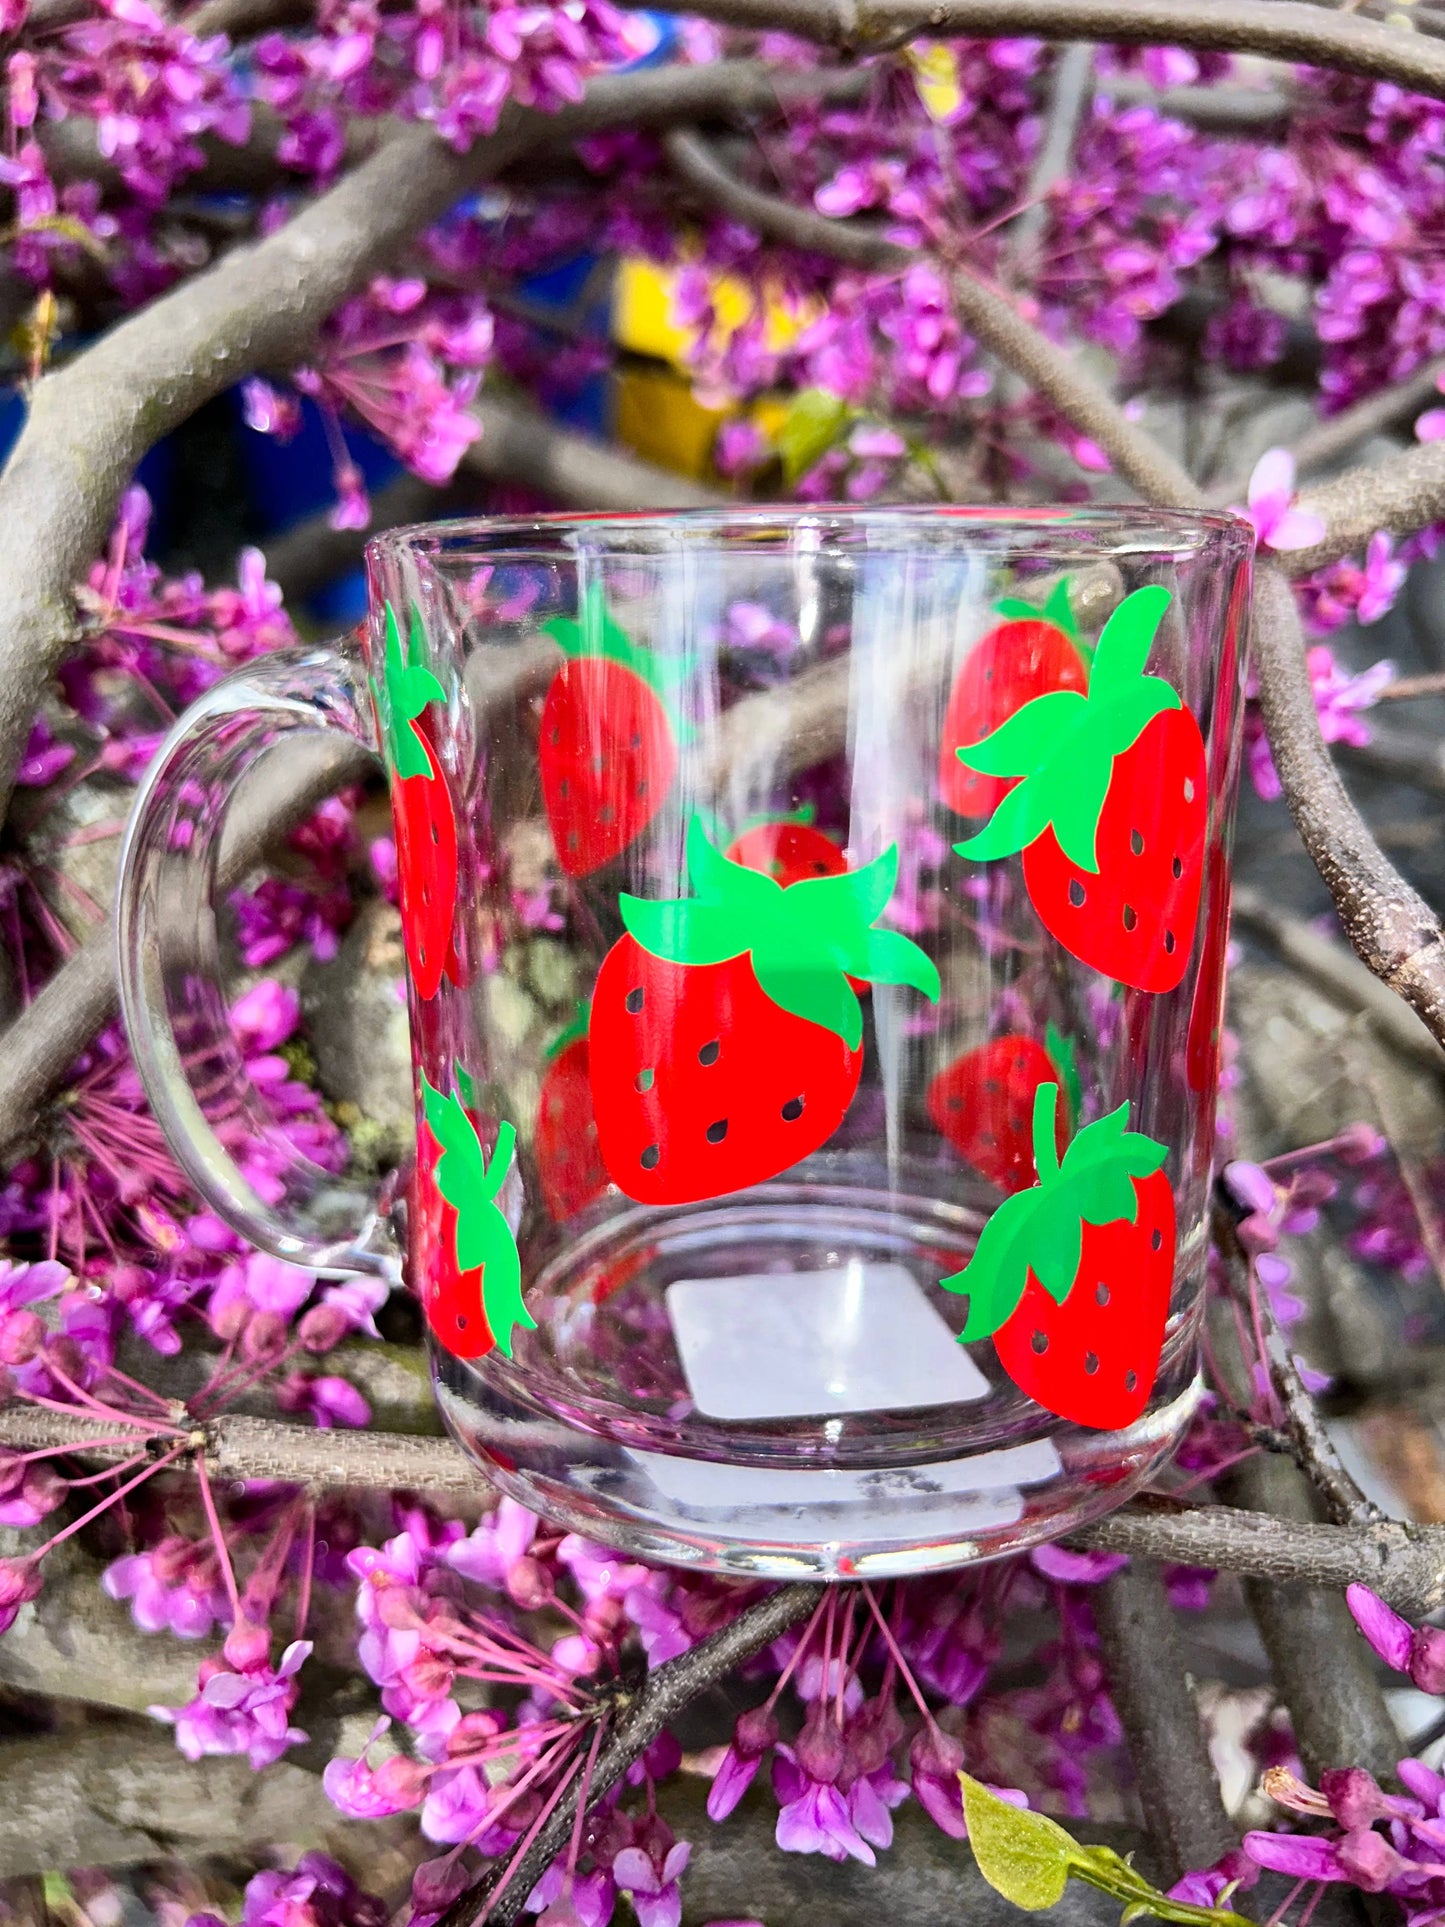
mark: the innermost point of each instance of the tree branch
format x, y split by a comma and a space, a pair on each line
519, 444
1340, 974
1404, 493
669, 1689
1387, 922
1144, 1662
260, 306
1071, 90
1285, 29
1404, 1563
989, 315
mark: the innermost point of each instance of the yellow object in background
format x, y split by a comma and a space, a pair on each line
654, 409
935, 75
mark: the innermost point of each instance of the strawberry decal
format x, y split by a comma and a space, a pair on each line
1023, 657
568, 1161
473, 1275
421, 807
1111, 810
788, 848
608, 746
726, 1039
1072, 1277
983, 1103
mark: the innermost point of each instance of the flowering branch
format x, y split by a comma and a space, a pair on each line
90, 423
669, 1689
989, 315
1399, 495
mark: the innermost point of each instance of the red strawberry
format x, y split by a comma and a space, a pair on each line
726, 1039
568, 1161
471, 1273
983, 1103
1026, 656
1112, 809
1206, 1013
422, 810
788, 848
608, 750
1072, 1278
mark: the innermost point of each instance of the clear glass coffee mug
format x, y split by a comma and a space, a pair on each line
815, 922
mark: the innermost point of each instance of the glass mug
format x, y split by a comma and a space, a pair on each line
815, 922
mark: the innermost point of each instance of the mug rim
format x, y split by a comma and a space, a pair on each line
1149, 527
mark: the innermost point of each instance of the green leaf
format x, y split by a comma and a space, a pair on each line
470, 1184
406, 690
1024, 1856
1040, 1231
1065, 1059
1025, 741
890, 958
1128, 636
1030, 1859
1063, 745
685, 930
823, 997
805, 939
1058, 611
814, 422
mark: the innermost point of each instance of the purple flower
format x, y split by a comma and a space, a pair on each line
814, 1816
755, 1732
1277, 522
176, 1588
648, 1872
246, 1711
1382, 581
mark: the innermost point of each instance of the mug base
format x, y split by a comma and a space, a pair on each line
755, 1523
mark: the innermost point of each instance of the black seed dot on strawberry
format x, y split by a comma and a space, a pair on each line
1189, 789
1101, 1294
987, 1139
1076, 893
1136, 843
641, 789
606, 813
649, 1158
633, 1000
556, 735
436, 835
1040, 1342
1018, 1063
1169, 942
716, 1131
710, 1052
1131, 1379
564, 788
644, 1080
1131, 916
955, 1103
1091, 1363
991, 1084
636, 740
1177, 866
1156, 1239
792, 1110
820, 869
571, 839
1016, 1124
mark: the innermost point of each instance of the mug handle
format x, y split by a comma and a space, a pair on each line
172, 870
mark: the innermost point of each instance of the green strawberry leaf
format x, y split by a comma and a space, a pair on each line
405, 691
1063, 745
818, 996
470, 1184
805, 939
1040, 1231
1064, 1057
1058, 610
